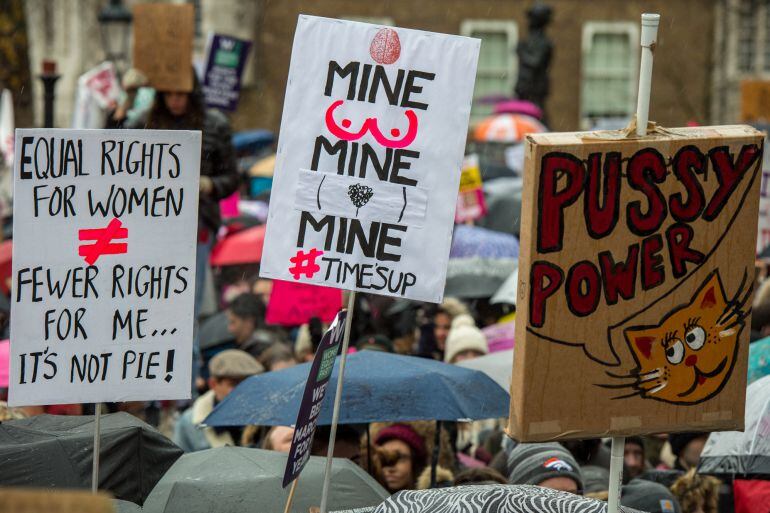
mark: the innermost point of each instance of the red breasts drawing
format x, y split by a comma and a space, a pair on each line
385, 47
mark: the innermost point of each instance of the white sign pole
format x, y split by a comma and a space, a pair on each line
648, 40
97, 447
337, 401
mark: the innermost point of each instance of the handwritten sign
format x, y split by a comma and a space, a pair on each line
292, 303
471, 204
635, 283
105, 225
163, 44
369, 156
313, 397
225, 60
14, 500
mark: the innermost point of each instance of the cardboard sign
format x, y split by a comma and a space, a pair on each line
755, 101
313, 397
369, 155
225, 60
105, 230
471, 204
15, 500
293, 304
163, 44
635, 283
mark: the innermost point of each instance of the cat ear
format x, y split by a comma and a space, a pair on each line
711, 294
643, 344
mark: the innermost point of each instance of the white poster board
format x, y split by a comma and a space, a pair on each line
105, 232
369, 155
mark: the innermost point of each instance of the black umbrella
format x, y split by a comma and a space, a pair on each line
52, 451
213, 331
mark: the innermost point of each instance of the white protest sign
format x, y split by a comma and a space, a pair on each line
104, 225
369, 155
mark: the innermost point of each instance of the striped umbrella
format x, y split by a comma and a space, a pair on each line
507, 128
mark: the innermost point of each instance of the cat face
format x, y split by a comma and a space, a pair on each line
688, 357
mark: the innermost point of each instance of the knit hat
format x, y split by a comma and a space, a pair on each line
595, 478
648, 496
679, 441
406, 434
534, 463
453, 307
464, 336
234, 363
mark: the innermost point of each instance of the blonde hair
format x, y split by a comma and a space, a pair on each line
694, 489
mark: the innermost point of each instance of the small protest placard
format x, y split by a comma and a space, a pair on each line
292, 304
471, 204
369, 155
225, 60
635, 283
104, 225
30, 500
313, 397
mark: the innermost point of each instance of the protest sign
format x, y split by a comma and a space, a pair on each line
635, 283
369, 155
105, 231
163, 44
755, 101
471, 204
16, 500
313, 397
292, 303
763, 226
225, 60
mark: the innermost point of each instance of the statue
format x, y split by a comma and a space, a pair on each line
534, 54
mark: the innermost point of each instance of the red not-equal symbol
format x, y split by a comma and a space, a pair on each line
103, 244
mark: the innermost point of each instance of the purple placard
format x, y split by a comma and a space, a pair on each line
312, 398
224, 66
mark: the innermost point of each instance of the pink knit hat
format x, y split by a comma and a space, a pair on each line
406, 434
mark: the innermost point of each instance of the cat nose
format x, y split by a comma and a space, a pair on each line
691, 360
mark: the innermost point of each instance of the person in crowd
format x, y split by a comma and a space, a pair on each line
278, 438
648, 496
245, 318
595, 479
227, 369
590, 451
697, 493
347, 443
9, 413
687, 448
634, 457
262, 288
403, 456
276, 357
549, 465
479, 476
434, 334
465, 341
375, 343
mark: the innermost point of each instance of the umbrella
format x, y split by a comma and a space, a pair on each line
5, 362
250, 142
518, 107
378, 387
507, 291
759, 360
213, 331
264, 167
747, 453
244, 247
497, 366
507, 128
503, 197
479, 261
50, 451
497, 498
125, 506
238, 479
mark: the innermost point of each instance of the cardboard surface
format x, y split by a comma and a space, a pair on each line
755, 101
163, 44
46, 501
635, 283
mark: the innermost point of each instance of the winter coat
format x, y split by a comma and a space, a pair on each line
190, 436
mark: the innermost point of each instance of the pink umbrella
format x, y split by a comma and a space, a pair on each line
5, 362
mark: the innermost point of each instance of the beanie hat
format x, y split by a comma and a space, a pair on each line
648, 496
679, 441
595, 478
534, 463
453, 307
463, 320
464, 338
406, 434
636, 440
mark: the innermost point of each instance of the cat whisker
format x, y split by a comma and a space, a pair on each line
618, 386
657, 389
650, 378
635, 394
634, 375
727, 333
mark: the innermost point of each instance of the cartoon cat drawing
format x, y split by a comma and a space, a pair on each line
689, 355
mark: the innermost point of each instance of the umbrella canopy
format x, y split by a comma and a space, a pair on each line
238, 479
479, 261
50, 451
747, 453
496, 498
507, 128
378, 387
213, 331
5, 362
244, 247
264, 167
518, 107
498, 366
250, 142
508, 290
503, 197
759, 360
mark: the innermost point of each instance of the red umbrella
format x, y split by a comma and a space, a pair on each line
243, 247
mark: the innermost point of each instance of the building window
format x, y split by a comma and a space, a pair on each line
496, 71
609, 72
